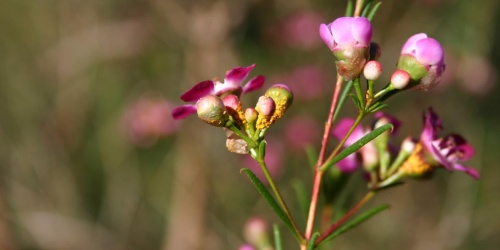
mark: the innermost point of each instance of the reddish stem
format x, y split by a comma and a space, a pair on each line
346, 216
318, 174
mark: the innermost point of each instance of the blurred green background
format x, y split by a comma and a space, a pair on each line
90, 159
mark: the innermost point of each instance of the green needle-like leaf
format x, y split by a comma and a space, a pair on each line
278, 245
349, 11
342, 97
310, 244
358, 220
270, 199
374, 11
366, 8
357, 145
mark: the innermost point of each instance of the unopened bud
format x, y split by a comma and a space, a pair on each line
211, 110
372, 70
251, 115
233, 107
265, 106
400, 79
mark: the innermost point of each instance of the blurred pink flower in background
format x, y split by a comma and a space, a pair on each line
308, 82
148, 119
302, 131
298, 31
274, 159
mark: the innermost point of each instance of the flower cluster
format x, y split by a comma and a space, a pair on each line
371, 150
219, 105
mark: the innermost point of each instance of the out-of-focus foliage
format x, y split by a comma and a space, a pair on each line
89, 158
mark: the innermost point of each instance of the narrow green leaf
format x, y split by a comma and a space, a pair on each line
367, 8
270, 199
343, 96
356, 221
310, 244
312, 156
376, 106
349, 11
278, 245
302, 196
374, 11
357, 145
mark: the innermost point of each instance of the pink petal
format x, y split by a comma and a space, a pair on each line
183, 111
470, 171
326, 35
348, 164
341, 31
410, 46
343, 127
198, 91
429, 51
254, 84
362, 31
238, 74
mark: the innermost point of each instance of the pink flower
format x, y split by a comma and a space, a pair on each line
148, 119
299, 30
423, 58
349, 39
347, 33
233, 84
446, 151
302, 131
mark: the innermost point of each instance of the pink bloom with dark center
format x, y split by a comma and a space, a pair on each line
233, 84
447, 151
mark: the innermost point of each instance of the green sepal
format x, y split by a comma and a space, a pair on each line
270, 200
356, 221
357, 145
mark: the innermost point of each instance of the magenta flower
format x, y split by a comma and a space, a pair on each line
146, 120
423, 58
233, 84
349, 39
347, 33
368, 152
447, 151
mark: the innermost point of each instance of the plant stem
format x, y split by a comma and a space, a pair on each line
317, 173
368, 196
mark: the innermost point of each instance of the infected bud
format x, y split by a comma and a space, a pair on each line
211, 110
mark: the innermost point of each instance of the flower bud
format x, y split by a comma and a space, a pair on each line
349, 40
265, 106
400, 79
211, 110
233, 107
372, 70
251, 115
423, 58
